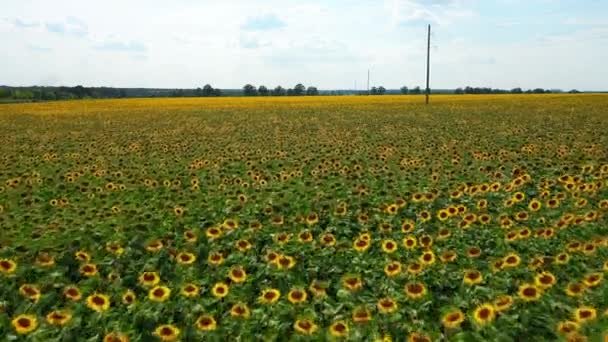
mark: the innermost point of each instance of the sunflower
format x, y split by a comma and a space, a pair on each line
534, 205
484, 219
243, 245
409, 242
392, 269
154, 246
190, 236
418, 337
415, 268
88, 270
58, 317
511, 236
386, 305
237, 274
339, 329
215, 259
282, 238
114, 248
115, 337
415, 290
30, 292
361, 245
391, 209
407, 226
443, 214
318, 288
269, 296
443, 234
328, 239
361, 315
25, 324
42, 260
427, 258
588, 249
220, 290
185, 258
503, 303
72, 293
149, 279
452, 319
167, 332
544, 280
562, 258
82, 256
424, 216
98, 302
129, 297
605, 267
529, 292
286, 262
484, 314
305, 327
240, 310
213, 233
159, 293
389, 246
190, 290
312, 218
230, 224
206, 323
297, 296
352, 283
448, 256
567, 327
426, 241
473, 252
497, 265
585, 314
575, 289
472, 277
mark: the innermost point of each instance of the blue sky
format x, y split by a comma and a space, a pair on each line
329, 44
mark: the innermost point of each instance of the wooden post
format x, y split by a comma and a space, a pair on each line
428, 64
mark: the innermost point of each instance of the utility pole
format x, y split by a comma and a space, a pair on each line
428, 63
367, 81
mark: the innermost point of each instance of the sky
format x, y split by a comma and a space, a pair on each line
329, 44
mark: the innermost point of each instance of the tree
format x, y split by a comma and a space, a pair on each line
416, 90
263, 91
459, 91
381, 90
312, 91
404, 90
538, 91
573, 91
217, 92
4, 93
516, 91
290, 92
207, 90
278, 91
373, 91
299, 89
249, 90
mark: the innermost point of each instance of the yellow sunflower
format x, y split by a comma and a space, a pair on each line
452, 319
237, 274
7, 266
415, 290
98, 302
484, 314
269, 296
58, 317
129, 297
544, 280
389, 246
240, 310
529, 292
305, 327
190, 290
585, 314
297, 296
185, 258
220, 290
472, 277
25, 324
167, 332
159, 293
503, 303
392, 269
206, 323
386, 305
339, 329
361, 315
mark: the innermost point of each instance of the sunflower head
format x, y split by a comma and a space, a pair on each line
452, 319
206, 323
484, 314
305, 327
167, 332
24, 324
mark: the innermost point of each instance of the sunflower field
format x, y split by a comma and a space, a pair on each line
476, 218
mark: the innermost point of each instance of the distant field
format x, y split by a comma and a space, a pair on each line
305, 218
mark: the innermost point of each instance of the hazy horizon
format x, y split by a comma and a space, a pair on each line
331, 45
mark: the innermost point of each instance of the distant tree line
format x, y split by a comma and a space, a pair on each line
298, 90
484, 90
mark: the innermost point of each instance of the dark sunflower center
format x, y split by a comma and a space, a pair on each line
159, 292
269, 295
166, 331
340, 327
529, 292
24, 322
297, 295
98, 300
305, 325
484, 313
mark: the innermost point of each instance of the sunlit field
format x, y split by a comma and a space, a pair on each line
314, 218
